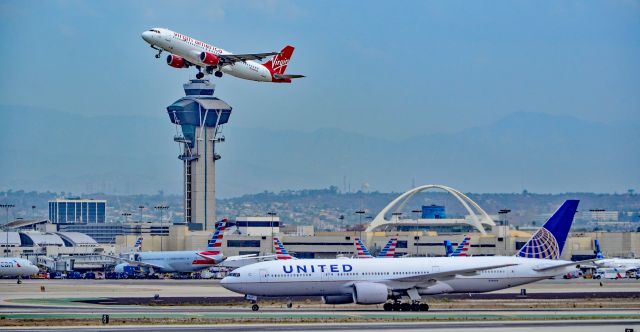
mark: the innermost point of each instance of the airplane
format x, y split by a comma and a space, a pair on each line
17, 267
386, 252
618, 263
461, 250
182, 261
208, 59
375, 281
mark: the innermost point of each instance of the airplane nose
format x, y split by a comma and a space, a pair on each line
146, 36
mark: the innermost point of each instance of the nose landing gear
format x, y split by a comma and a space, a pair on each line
199, 75
218, 74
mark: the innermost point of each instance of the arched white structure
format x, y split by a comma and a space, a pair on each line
398, 203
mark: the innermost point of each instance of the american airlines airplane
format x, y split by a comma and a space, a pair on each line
208, 59
375, 281
182, 261
17, 267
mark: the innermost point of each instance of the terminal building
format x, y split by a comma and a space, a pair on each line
76, 210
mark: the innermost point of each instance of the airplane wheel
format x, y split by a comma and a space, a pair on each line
157, 56
289, 305
396, 306
255, 307
19, 281
387, 306
405, 307
199, 76
424, 307
218, 74
415, 306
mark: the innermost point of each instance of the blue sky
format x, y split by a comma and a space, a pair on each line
398, 69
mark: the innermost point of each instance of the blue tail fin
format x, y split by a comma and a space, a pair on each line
598, 252
549, 240
448, 248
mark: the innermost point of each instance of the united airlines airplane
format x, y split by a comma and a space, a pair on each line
208, 59
375, 281
17, 267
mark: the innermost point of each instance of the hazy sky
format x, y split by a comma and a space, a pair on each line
398, 69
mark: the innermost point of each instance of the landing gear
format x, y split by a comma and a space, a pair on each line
255, 307
199, 75
159, 51
290, 305
218, 74
19, 280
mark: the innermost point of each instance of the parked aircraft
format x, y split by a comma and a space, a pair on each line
623, 264
388, 251
17, 267
208, 59
281, 251
462, 249
183, 261
374, 281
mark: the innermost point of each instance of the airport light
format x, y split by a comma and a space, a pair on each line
416, 211
272, 214
126, 216
161, 208
141, 207
33, 212
6, 226
503, 218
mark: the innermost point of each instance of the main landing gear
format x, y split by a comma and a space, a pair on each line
405, 306
199, 75
218, 74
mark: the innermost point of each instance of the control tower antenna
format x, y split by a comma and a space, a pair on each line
200, 117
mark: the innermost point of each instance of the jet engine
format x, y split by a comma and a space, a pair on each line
209, 58
370, 293
338, 299
176, 61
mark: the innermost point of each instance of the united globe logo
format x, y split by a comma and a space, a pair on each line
541, 245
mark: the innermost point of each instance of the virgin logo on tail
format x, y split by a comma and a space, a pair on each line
278, 64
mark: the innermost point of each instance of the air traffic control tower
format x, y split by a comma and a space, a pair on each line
200, 117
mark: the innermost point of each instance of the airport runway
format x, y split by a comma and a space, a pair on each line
507, 326
75, 302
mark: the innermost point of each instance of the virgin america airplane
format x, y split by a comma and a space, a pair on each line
208, 59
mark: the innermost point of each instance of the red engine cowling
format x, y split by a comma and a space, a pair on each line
176, 61
209, 58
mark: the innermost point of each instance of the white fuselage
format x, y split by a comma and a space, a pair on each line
173, 261
320, 277
190, 49
16, 267
623, 263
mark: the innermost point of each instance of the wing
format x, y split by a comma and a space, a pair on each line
233, 58
444, 275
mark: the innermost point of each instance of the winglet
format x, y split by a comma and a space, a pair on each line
549, 240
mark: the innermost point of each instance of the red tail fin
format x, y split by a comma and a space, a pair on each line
278, 64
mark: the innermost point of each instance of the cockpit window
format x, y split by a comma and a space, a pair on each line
154, 30
234, 274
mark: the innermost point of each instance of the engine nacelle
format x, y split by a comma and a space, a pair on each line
209, 58
176, 61
338, 299
370, 293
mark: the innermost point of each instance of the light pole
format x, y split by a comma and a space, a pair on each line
126, 217
271, 214
503, 218
141, 207
416, 211
6, 226
359, 213
161, 208
33, 212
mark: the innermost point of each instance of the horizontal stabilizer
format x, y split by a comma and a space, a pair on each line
283, 76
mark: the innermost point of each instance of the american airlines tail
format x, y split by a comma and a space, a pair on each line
549, 240
389, 250
215, 243
281, 251
463, 247
138, 245
361, 249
